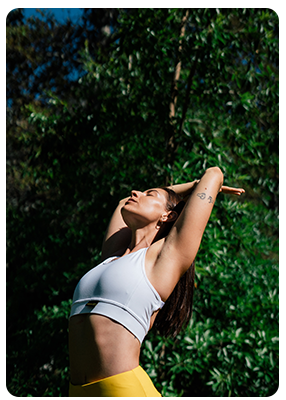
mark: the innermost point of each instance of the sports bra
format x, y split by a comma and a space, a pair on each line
119, 289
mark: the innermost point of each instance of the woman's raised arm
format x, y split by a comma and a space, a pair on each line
185, 189
118, 235
181, 245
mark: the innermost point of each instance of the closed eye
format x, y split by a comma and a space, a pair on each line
152, 192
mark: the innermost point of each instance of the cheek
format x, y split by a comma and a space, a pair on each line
156, 209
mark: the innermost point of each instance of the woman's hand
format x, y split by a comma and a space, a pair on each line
231, 190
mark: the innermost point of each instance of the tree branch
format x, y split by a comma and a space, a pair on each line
177, 69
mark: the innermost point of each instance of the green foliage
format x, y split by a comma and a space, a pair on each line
77, 147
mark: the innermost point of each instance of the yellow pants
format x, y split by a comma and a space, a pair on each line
134, 383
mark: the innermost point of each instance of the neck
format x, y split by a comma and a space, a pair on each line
142, 237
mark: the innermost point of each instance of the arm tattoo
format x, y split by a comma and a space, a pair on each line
202, 196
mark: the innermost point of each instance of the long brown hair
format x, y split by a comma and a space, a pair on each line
177, 311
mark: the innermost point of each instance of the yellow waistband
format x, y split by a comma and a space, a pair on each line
134, 383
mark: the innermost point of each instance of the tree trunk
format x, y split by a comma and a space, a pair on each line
171, 133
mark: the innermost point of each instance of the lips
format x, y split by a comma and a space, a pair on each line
131, 200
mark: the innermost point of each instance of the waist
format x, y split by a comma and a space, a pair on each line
99, 348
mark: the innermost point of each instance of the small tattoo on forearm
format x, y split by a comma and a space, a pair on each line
202, 196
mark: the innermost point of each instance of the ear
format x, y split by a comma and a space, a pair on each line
173, 215
169, 217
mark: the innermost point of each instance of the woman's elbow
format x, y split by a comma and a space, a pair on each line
217, 171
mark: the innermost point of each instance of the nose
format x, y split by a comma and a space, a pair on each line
135, 193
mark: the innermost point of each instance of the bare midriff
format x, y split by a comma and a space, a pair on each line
100, 347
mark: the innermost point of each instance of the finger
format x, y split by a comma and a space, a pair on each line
231, 190
240, 191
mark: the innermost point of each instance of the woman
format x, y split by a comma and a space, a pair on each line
117, 302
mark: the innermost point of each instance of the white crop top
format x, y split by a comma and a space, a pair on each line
119, 289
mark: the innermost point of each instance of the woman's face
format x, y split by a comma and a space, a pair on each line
143, 208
